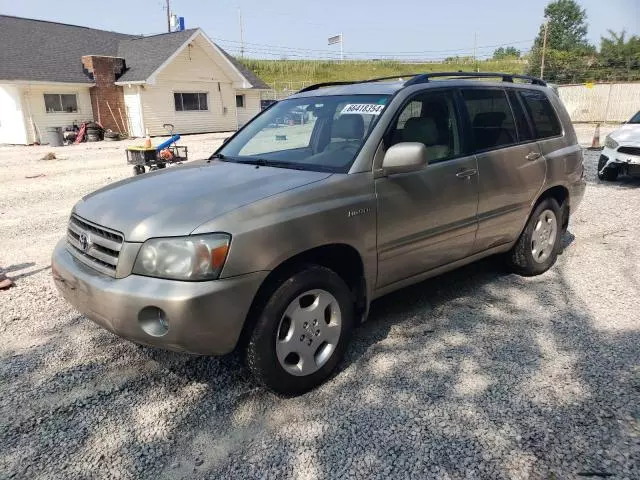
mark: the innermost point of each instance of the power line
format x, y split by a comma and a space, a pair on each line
236, 50
358, 52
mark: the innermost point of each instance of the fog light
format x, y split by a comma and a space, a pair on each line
153, 321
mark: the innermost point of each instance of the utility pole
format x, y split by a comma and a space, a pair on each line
544, 47
341, 48
168, 17
241, 33
475, 43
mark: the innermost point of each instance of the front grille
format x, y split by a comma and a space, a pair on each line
630, 150
94, 246
633, 170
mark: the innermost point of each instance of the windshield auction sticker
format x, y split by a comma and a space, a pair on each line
360, 108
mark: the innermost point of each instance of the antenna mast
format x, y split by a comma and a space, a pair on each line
168, 17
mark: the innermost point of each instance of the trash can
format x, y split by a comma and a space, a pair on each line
53, 136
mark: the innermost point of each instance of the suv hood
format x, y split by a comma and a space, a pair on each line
176, 201
628, 133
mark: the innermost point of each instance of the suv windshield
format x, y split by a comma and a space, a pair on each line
635, 118
314, 133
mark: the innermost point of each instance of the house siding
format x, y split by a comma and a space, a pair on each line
198, 68
251, 106
35, 112
12, 125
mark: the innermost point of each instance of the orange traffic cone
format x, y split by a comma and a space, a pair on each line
147, 141
595, 143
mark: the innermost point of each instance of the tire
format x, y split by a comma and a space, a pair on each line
610, 174
535, 253
111, 136
322, 344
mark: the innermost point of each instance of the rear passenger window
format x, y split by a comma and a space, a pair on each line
543, 116
491, 118
524, 129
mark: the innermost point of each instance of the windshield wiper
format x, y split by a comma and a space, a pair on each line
218, 156
261, 162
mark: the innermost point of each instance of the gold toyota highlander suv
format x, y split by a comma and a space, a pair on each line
281, 240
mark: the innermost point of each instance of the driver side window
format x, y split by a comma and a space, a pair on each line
430, 119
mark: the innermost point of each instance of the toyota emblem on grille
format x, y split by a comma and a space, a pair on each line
85, 242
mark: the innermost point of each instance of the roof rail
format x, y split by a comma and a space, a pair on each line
316, 86
425, 77
506, 77
332, 84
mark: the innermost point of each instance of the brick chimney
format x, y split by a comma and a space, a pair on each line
105, 71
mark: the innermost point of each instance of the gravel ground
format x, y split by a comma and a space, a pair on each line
476, 374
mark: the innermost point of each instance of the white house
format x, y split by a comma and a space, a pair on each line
53, 74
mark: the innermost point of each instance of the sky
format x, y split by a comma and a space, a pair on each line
404, 29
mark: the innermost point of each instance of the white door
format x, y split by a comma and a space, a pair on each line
134, 111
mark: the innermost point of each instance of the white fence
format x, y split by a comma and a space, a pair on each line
601, 102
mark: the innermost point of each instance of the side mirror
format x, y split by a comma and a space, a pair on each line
405, 157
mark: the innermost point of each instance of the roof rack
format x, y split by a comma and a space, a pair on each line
506, 77
333, 84
425, 77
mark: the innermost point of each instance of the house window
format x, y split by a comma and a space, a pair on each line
60, 102
190, 101
240, 101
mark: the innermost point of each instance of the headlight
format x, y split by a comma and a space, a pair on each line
610, 142
198, 257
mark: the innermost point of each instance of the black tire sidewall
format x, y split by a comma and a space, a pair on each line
261, 350
533, 267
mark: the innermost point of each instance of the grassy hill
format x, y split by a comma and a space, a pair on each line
294, 74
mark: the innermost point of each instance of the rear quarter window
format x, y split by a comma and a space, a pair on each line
543, 116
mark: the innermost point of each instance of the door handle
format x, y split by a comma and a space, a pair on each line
531, 156
469, 172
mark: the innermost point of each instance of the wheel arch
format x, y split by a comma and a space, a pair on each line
343, 259
560, 193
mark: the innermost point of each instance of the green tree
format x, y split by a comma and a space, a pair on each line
567, 27
567, 50
618, 50
619, 57
459, 59
503, 53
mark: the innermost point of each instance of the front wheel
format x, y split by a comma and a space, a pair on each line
539, 244
302, 331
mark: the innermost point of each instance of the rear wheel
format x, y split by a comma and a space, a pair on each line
302, 331
609, 174
539, 244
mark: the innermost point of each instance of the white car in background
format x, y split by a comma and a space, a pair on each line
621, 153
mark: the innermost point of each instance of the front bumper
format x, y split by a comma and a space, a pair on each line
200, 317
628, 162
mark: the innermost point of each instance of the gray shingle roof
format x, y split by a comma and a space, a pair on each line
39, 50
246, 73
144, 55
46, 51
